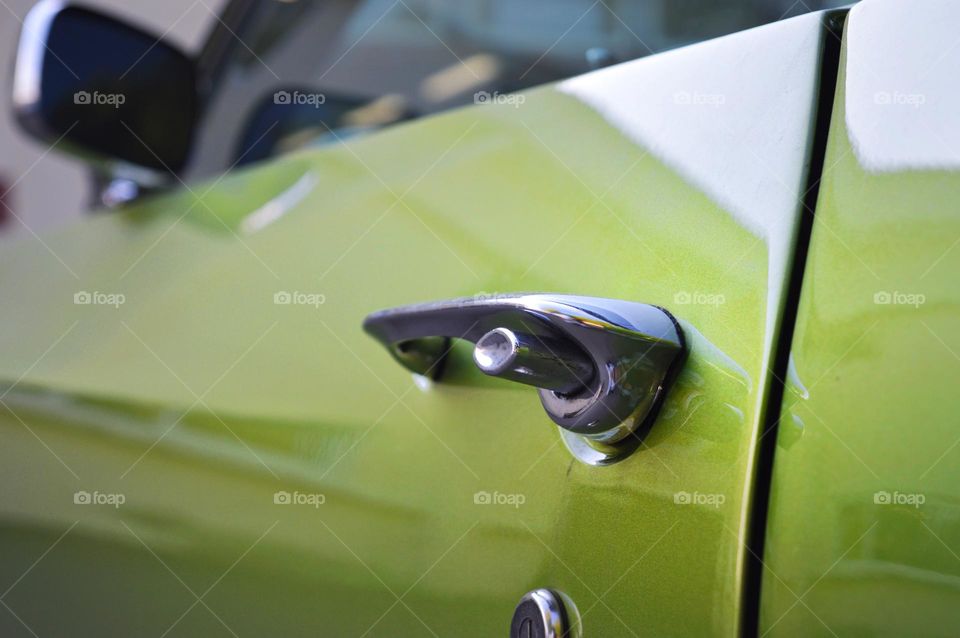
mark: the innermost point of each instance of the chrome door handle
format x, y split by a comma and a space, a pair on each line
602, 366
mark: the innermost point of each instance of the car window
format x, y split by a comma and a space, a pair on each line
312, 71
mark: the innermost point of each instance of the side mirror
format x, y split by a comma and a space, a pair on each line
103, 89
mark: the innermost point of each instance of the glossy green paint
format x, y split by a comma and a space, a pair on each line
199, 397
863, 534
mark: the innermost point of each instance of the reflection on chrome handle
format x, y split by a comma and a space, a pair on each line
543, 362
602, 366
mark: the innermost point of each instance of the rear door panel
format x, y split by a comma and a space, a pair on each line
863, 534
235, 370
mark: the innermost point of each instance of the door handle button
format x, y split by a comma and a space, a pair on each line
538, 361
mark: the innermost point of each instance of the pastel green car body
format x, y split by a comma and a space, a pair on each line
863, 534
328, 411
235, 375
296, 398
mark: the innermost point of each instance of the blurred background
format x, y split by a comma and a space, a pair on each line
282, 74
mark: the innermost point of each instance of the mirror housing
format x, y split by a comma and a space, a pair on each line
105, 90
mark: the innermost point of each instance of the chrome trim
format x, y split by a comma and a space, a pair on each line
28, 69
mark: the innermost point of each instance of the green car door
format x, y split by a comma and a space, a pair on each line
199, 438
863, 534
